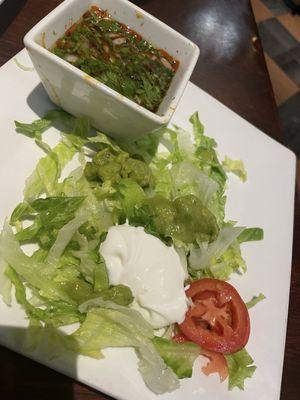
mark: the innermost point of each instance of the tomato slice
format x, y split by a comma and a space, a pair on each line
218, 319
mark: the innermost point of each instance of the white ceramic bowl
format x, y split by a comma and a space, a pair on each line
80, 94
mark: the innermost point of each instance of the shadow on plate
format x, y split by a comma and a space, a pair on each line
8, 11
40, 107
20, 376
36, 105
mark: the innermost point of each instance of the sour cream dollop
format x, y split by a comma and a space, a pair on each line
152, 270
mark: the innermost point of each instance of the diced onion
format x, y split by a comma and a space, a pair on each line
119, 41
72, 58
166, 64
113, 35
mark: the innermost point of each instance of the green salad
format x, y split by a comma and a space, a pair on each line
119, 57
169, 182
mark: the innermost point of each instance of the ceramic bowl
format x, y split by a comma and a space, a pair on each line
80, 94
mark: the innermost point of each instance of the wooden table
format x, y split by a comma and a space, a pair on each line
232, 69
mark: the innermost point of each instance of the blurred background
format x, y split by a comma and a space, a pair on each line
278, 24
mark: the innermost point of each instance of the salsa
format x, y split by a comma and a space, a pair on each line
119, 57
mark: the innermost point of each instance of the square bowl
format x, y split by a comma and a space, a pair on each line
81, 94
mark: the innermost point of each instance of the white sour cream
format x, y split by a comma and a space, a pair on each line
152, 270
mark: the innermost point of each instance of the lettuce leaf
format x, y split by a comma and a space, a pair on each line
188, 179
64, 236
52, 283
131, 197
251, 234
22, 211
203, 257
47, 172
92, 265
34, 129
205, 154
145, 147
56, 313
96, 200
5, 283
255, 300
179, 357
103, 141
110, 325
37, 127
48, 215
236, 167
240, 367
198, 129
231, 261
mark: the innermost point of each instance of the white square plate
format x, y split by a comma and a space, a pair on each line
265, 200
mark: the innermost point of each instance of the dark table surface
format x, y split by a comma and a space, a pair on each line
232, 69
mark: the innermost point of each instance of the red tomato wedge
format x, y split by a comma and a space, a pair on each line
216, 361
218, 319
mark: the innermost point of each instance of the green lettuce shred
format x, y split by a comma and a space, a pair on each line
236, 167
33, 130
255, 300
240, 367
179, 357
251, 234
110, 325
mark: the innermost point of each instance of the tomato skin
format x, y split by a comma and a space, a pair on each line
180, 338
216, 363
218, 319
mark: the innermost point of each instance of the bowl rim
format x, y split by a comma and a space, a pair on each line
31, 44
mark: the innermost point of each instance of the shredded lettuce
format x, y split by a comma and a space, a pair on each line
110, 325
45, 177
188, 167
236, 167
250, 234
52, 284
33, 130
169, 182
231, 261
13, 255
64, 236
240, 367
203, 257
206, 155
5, 283
188, 179
179, 357
255, 300
47, 216
92, 265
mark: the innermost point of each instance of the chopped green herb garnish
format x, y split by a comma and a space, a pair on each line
119, 57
